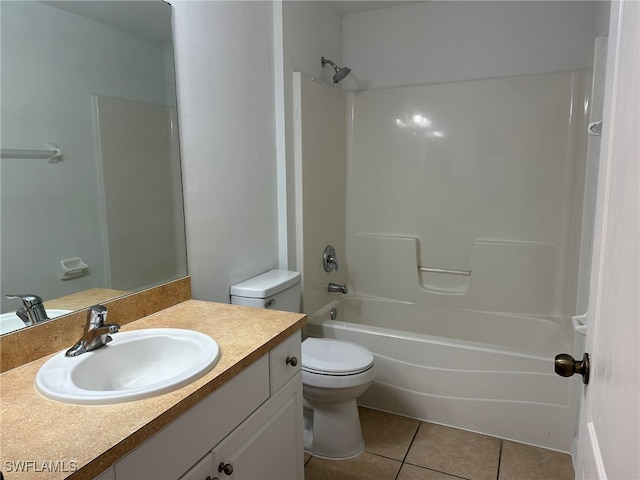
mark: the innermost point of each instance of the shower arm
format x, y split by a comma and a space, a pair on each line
324, 61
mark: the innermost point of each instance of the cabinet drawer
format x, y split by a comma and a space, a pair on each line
179, 445
284, 361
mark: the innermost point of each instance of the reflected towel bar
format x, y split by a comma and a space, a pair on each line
52, 153
450, 271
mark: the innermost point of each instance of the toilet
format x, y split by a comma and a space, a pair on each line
334, 372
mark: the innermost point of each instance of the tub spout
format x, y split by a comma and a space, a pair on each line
334, 287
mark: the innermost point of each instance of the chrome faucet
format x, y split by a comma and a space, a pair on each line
32, 311
329, 259
96, 332
334, 287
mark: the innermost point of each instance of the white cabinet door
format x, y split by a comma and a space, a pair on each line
268, 445
203, 470
108, 474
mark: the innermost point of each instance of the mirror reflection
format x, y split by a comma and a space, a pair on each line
91, 84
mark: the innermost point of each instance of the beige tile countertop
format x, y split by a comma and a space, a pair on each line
45, 439
84, 299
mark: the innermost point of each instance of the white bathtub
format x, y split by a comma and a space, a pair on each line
486, 372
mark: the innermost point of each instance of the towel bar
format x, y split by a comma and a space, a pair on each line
451, 271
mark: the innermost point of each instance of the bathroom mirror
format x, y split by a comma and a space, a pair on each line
90, 193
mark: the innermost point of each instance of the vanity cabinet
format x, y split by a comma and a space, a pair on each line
203, 470
250, 428
108, 474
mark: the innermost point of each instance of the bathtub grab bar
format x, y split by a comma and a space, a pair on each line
451, 271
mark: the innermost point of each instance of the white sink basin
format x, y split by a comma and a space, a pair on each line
135, 365
10, 322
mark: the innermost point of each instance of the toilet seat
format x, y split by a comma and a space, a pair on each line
325, 356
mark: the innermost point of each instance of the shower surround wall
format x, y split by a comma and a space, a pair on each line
320, 139
139, 171
481, 176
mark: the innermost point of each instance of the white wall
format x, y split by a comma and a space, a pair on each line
441, 41
224, 65
52, 62
311, 30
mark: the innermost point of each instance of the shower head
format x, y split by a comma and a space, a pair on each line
340, 72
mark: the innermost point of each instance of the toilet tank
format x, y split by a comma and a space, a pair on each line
275, 289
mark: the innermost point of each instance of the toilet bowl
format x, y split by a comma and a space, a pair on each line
334, 374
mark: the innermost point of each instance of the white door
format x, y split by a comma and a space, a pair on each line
609, 432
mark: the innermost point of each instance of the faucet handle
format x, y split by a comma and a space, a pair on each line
329, 260
96, 316
33, 311
96, 332
28, 299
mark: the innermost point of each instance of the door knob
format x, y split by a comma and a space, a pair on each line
565, 366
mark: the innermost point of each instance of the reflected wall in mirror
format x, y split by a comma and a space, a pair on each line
95, 78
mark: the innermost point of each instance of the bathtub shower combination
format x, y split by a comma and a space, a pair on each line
462, 244
486, 372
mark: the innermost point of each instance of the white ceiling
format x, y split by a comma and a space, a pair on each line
152, 19
348, 6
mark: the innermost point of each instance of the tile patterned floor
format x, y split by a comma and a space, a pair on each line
400, 448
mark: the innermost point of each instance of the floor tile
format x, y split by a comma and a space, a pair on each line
456, 452
411, 472
524, 462
307, 456
364, 466
387, 434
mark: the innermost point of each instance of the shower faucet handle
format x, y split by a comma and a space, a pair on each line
329, 260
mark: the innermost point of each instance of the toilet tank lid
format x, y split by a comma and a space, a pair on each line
266, 284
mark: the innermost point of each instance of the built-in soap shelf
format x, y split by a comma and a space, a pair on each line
73, 268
